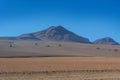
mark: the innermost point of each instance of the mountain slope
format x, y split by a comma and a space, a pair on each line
8, 38
56, 33
27, 37
106, 40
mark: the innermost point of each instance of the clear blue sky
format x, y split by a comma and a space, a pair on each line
88, 18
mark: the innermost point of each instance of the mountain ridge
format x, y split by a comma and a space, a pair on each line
57, 33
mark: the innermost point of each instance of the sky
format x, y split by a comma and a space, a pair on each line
92, 19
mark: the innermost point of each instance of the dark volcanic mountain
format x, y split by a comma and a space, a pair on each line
106, 40
55, 33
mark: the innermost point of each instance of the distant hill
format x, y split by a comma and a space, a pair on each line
8, 38
55, 33
106, 40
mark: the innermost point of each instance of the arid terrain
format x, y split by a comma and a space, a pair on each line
59, 40
56, 49
64, 68
39, 60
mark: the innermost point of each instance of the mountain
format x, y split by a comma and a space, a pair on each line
106, 40
27, 37
8, 38
55, 33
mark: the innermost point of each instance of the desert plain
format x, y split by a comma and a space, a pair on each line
40, 60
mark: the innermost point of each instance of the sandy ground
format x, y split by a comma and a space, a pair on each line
64, 68
48, 61
67, 49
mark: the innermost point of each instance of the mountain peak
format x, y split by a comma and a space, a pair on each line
57, 27
60, 27
106, 40
59, 33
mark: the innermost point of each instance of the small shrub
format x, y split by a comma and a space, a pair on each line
36, 44
60, 45
10, 45
98, 48
115, 50
48, 46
